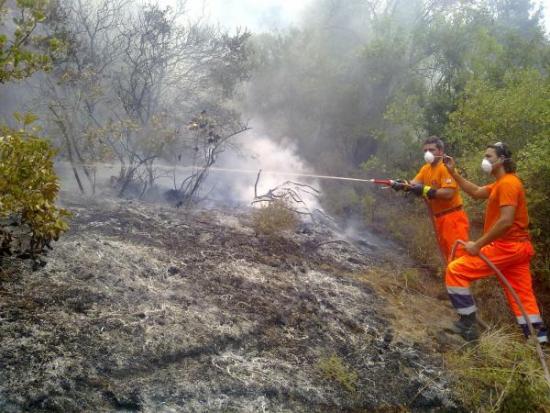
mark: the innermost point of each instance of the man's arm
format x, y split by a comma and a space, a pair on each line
503, 224
476, 192
419, 189
444, 193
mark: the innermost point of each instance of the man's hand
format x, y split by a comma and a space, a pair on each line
472, 248
400, 185
450, 163
417, 189
423, 190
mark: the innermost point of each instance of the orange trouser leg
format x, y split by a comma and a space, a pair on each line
512, 259
452, 227
519, 277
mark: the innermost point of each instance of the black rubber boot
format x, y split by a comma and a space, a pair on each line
467, 327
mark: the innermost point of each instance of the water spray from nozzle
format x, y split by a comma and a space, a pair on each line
342, 178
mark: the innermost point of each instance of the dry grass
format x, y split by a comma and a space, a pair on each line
274, 218
500, 374
414, 231
493, 306
412, 295
335, 369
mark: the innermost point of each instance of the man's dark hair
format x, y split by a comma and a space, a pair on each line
435, 140
503, 151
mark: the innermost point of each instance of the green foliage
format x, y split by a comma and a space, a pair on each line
29, 185
274, 218
361, 100
515, 113
341, 200
500, 374
534, 168
409, 225
333, 368
369, 208
17, 59
392, 165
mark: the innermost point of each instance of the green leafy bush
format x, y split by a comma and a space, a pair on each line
534, 169
28, 189
515, 112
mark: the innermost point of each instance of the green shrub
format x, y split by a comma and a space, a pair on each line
534, 169
28, 189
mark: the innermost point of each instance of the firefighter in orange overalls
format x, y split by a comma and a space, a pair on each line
505, 242
435, 183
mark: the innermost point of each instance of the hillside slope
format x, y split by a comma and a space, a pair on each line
146, 308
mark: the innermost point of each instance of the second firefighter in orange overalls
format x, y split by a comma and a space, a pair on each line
505, 242
436, 184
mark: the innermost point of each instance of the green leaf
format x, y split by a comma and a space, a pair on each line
29, 118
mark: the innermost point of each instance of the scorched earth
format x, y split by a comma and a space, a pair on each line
144, 307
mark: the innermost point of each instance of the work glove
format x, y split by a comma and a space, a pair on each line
400, 185
423, 190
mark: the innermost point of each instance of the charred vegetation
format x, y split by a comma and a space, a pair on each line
146, 307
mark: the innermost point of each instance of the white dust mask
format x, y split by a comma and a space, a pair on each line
486, 165
429, 157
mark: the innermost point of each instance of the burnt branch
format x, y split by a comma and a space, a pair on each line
289, 193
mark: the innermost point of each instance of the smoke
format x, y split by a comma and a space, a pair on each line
258, 16
232, 179
258, 151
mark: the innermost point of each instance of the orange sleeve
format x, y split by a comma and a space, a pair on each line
446, 179
509, 194
420, 175
489, 187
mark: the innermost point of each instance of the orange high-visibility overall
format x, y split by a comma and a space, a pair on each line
510, 253
451, 222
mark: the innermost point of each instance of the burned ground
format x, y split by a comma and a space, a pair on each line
147, 308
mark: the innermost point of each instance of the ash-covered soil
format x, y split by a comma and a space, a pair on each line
148, 308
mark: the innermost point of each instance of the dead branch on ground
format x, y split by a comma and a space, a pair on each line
290, 193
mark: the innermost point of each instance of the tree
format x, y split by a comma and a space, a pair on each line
28, 183
131, 80
212, 135
17, 59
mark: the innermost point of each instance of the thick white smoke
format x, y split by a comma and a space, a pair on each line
278, 162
